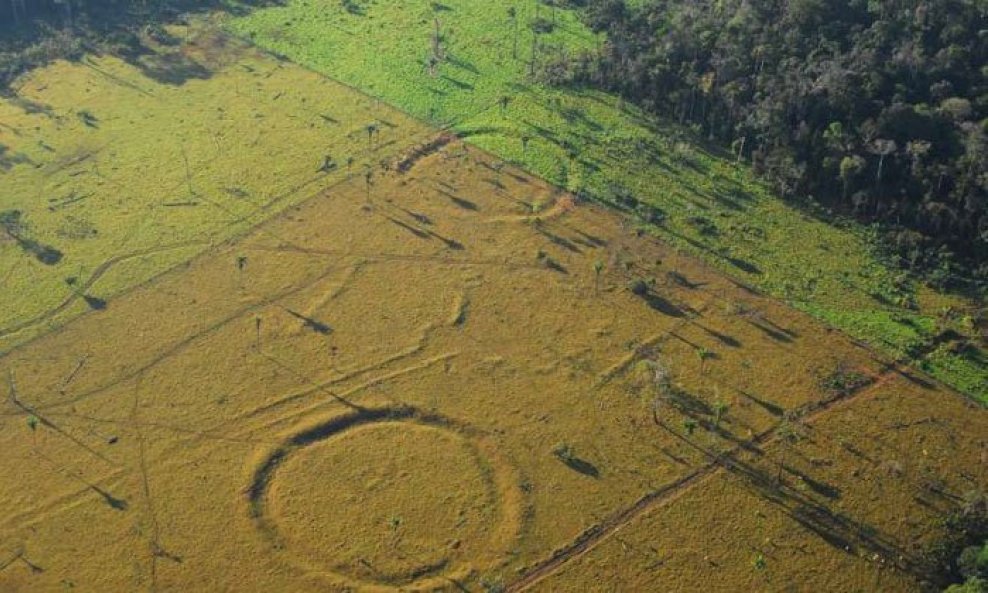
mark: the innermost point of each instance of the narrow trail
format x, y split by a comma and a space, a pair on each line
98, 273
594, 536
270, 211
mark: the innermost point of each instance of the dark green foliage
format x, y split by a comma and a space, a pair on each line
638, 287
961, 556
875, 109
542, 26
972, 585
973, 561
353, 7
843, 381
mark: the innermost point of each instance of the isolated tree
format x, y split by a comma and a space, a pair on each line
368, 181
720, 410
438, 54
598, 268
789, 432
703, 354
513, 17
32, 423
535, 42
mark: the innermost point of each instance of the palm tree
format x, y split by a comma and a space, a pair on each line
720, 410
703, 354
513, 17
438, 54
369, 181
32, 423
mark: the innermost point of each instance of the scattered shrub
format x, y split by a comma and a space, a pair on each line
638, 287
564, 452
843, 381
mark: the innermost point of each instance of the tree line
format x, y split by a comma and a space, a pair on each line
874, 108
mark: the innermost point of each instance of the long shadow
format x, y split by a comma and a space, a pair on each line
450, 243
462, 64
417, 232
460, 202
558, 240
117, 504
771, 332
315, 325
553, 265
581, 466
722, 338
463, 86
844, 533
662, 305
417, 216
689, 404
744, 265
791, 333
777, 411
45, 254
8, 160
681, 280
592, 239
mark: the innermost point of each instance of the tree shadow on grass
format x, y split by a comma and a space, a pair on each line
460, 202
171, 68
95, 303
105, 27
581, 466
662, 305
8, 159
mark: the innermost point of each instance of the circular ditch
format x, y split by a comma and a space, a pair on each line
387, 497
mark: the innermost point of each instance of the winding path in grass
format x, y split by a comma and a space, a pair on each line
98, 273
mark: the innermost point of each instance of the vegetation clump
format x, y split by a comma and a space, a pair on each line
843, 381
959, 560
638, 287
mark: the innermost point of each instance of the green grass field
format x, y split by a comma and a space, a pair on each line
594, 143
120, 170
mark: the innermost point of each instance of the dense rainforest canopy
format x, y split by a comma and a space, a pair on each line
877, 108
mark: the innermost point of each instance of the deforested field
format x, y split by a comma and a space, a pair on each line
264, 332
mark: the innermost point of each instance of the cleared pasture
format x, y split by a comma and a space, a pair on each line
452, 375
